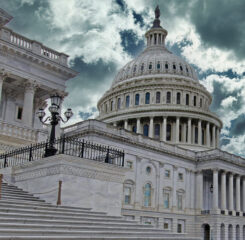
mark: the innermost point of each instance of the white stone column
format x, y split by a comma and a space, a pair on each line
199, 190
207, 134
243, 193
1, 86
184, 133
28, 104
215, 189
138, 126
223, 190
217, 138
164, 128
238, 194
214, 136
189, 131
151, 128
174, 202
177, 130
199, 132
126, 124
231, 203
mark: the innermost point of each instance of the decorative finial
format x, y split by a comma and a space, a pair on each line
157, 12
156, 23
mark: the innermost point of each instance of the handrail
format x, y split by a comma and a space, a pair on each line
65, 145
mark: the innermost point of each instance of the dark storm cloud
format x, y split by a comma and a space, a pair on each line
220, 23
238, 126
121, 4
220, 92
94, 78
130, 42
138, 19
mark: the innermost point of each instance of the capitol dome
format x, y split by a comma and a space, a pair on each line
158, 95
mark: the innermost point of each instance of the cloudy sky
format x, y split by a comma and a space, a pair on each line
102, 35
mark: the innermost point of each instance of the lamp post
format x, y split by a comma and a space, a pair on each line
53, 120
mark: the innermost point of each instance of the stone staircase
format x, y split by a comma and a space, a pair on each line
23, 216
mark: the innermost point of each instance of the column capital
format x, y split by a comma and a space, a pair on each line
216, 170
30, 86
199, 171
3, 74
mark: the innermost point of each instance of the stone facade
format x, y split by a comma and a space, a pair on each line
29, 73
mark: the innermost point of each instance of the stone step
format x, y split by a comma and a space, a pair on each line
19, 195
7, 190
26, 202
49, 211
47, 208
39, 216
72, 222
94, 238
85, 233
21, 198
70, 227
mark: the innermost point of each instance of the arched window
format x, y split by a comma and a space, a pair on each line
157, 131
127, 100
187, 69
106, 108
166, 66
230, 232
134, 129
142, 67
147, 195
181, 68
135, 68
178, 98
168, 132
222, 231
137, 99
168, 97
158, 65
237, 232
147, 98
158, 97
187, 99
196, 135
146, 130
127, 195
150, 66
200, 102
112, 105
174, 66
118, 103
195, 101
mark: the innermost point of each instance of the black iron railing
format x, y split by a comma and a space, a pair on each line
68, 146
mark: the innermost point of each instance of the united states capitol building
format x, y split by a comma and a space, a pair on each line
173, 174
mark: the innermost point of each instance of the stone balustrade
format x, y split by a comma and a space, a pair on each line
33, 46
20, 132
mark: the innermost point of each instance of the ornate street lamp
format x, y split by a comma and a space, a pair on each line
53, 121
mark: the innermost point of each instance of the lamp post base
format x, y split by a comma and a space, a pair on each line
50, 152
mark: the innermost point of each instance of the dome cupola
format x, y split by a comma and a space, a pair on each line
158, 95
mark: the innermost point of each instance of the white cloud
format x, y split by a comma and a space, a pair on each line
227, 102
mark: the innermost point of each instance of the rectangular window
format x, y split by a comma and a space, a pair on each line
165, 225
180, 176
166, 200
19, 113
167, 173
129, 164
180, 201
179, 228
127, 195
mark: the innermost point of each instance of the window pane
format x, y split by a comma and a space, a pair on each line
157, 131
147, 98
146, 130
178, 98
168, 132
147, 195
166, 200
187, 99
137, 99
195, 101
168, 97
127, 101
180, 202
158, 97
118, 103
